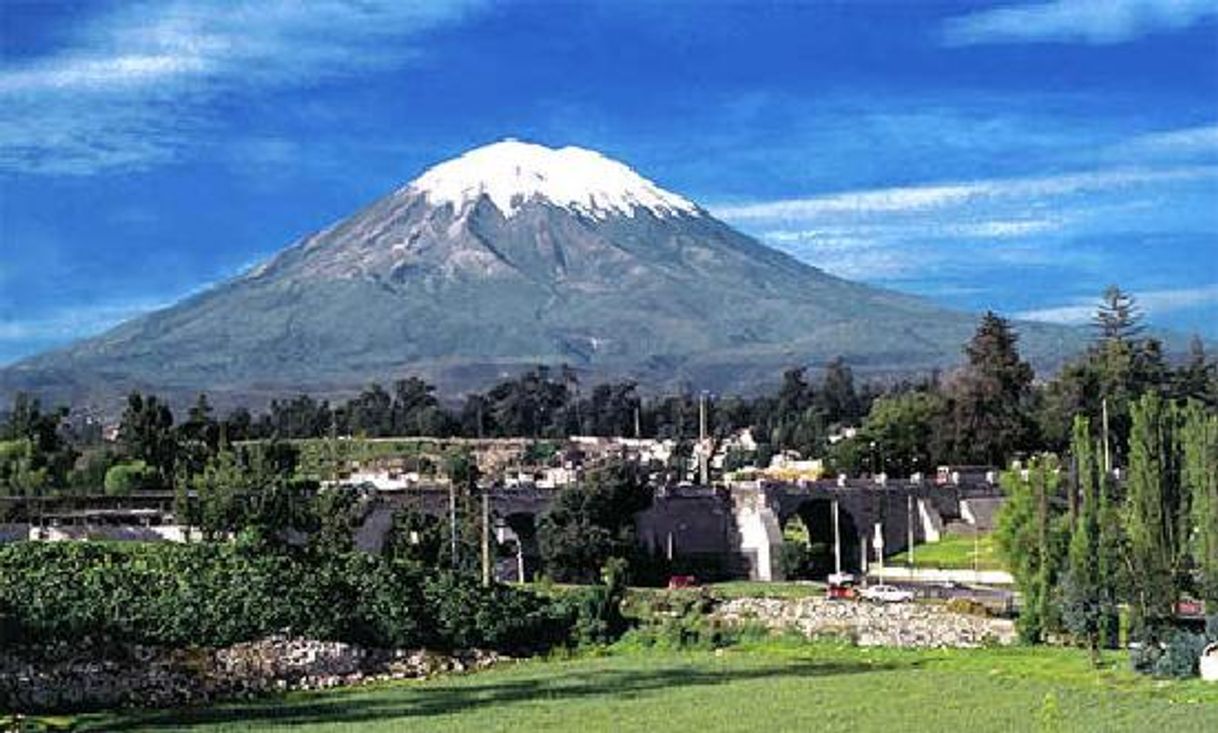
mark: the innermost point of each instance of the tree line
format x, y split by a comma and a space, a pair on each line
1083, 545
988, 411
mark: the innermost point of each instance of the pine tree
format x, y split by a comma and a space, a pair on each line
990, 404
1118, 318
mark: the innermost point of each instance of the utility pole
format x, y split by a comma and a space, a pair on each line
837, 540
703, 468
910, 526
638, 430
452, 519
486, 537
976, 550
1107, 456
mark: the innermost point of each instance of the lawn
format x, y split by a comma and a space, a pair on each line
954, 552
768, 686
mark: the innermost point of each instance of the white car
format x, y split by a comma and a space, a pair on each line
886, 594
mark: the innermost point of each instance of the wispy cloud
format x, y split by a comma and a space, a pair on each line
1153, 302
1188, 144
939, 196
136, 86
1087, 21
964, 232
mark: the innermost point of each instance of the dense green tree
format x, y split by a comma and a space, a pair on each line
238, 426
1030, 541
990, 403
1197, 377
370, 413
419, 538
416, 411
903, 428
610, 409
837, 400
1199, 438
146, 434
35, 458
1118, 317
299, 417
251, 489
590, 523
22, 470
1156, 513
123, 479
531, 405
1087, 602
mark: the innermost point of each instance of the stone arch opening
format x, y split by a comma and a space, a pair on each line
808, 547
520, 554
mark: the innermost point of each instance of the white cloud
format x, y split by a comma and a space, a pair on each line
1186, 143
136, 85
1088, 21
1152, 302
939, 196
969, 229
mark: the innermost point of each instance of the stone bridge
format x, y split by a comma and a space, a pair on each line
736, 531
707, 531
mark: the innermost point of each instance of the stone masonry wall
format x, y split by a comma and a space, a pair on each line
868, 624
81, 677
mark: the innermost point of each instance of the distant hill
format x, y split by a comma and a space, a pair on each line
509, 256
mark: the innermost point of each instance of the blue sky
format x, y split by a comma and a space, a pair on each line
1012, 155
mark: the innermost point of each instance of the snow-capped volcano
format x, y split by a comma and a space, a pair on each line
506, 257
511, 173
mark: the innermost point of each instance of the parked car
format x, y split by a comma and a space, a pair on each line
840, 586
886, 594
676, 582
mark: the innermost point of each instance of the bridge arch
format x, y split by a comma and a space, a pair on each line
520, 557
808, 547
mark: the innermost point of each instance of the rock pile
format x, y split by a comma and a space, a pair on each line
867, 624
91, 675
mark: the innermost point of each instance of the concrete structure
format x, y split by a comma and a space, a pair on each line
732, 531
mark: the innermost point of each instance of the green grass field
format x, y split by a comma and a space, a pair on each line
953, 552
772, 686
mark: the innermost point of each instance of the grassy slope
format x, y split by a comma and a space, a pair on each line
953, 552
775, 686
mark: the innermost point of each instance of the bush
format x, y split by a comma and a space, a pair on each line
967, 606
214, 595
126, 478
682, 620
1181, 655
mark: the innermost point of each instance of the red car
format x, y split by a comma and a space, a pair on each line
841, 586
682, 581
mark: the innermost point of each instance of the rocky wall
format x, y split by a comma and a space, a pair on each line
868, 624
65, 677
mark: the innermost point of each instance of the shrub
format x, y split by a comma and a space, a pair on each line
213, 595
1181, 655
968, 606
125, 478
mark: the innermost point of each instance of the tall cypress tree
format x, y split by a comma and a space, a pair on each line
1108, 560
1029, 540
1199, 438
1153, 516
1083, 597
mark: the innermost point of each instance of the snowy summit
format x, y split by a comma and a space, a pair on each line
511, 173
